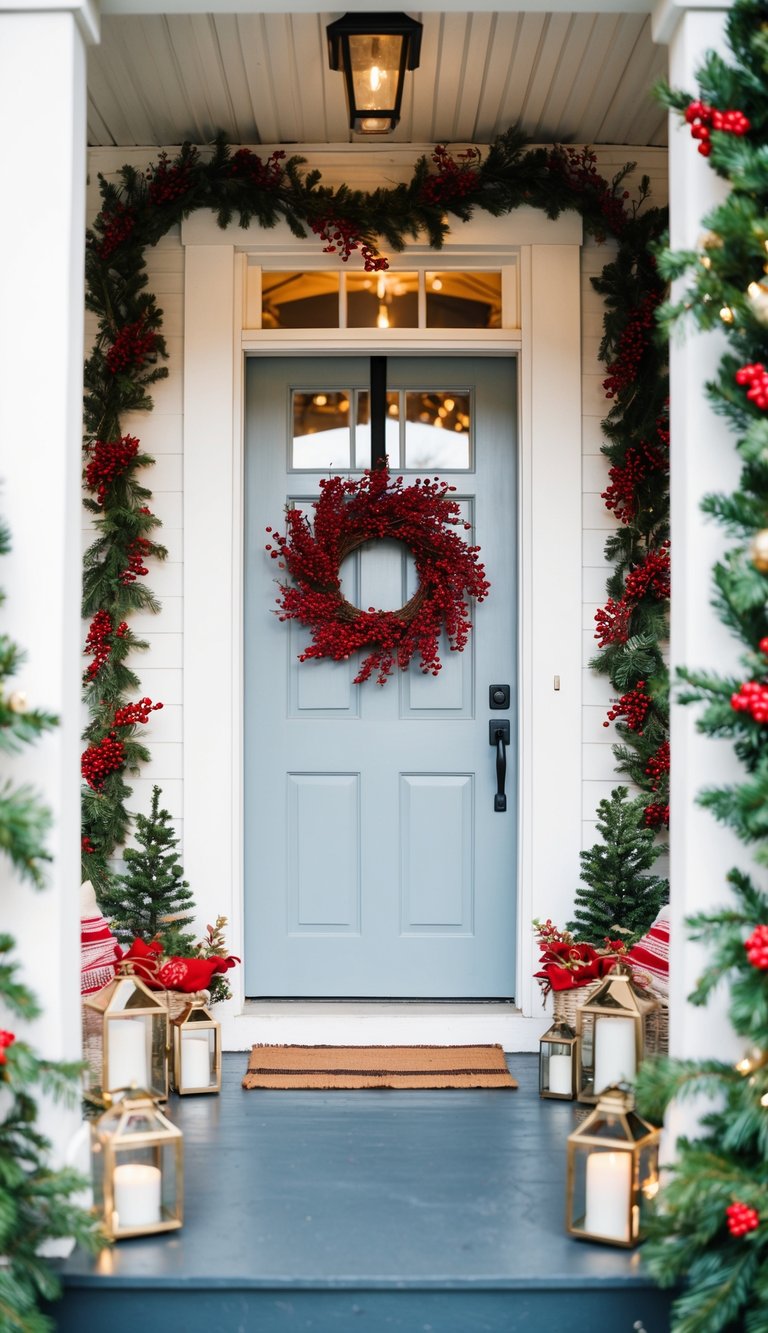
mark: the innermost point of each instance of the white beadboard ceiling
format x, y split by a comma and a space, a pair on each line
264, 78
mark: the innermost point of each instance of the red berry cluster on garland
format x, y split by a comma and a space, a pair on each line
656, 816
99, 642
108, 459
741, 1219
133, 714
612, 621
752, 698
756, 376
372, 507
138, 551
134, 345
342, 236
634, 341
116, 224
657, 767
621, 496
250, 167
651, 577
633, 707
102, 758
578, 166
455, 178
86, 846
169, 180
702, 118
6, 1039
757, 948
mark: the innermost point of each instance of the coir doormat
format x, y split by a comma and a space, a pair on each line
322, 1067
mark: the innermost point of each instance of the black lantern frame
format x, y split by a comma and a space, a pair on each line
359, 41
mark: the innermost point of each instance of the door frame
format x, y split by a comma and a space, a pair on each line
544, 334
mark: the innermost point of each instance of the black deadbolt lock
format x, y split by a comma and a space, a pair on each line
498, 696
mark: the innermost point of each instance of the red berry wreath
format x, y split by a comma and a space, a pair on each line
349, 513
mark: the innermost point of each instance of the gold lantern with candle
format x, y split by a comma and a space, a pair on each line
125, 1040
614, 1028
558, 1064
138, 1169
612, 1172
195, 1051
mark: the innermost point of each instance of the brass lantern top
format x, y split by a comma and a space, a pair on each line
126, 994
135, 1121
559, 1031
196, 1014
615, 1123
618, 995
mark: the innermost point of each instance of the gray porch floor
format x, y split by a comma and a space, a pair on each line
431, 1212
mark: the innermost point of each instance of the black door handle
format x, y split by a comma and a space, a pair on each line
498, 736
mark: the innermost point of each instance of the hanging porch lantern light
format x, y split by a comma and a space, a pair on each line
374, 51
138, 1162
612, 1172
558, 1064
195, 1051
615, 1028
125, 1041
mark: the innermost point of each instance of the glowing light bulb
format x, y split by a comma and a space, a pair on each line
382, 319
764, 1099
320, 400
754, 290
449, 404
744, 1066
437, 285
726, 314
376, 77
381, 286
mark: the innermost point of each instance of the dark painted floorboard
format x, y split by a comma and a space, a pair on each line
431, 1212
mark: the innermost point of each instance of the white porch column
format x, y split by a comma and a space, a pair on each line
43, 111
703, 459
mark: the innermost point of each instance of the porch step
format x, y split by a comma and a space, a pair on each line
418, 1212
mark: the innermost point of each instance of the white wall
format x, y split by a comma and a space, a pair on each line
161, 434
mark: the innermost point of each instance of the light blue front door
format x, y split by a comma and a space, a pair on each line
375, 862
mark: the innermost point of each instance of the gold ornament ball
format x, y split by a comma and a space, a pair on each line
17, 702
758, 551
757, 296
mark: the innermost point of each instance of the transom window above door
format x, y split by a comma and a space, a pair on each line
423, 299
425, 428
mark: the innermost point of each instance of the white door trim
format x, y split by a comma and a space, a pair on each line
548, 342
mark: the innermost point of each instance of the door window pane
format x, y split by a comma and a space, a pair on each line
363, 429
322, 436
437, 431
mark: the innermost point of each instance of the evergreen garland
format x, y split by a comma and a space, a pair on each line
711, 1230
35, 1200
129, 350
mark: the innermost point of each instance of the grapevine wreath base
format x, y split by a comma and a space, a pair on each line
349, 513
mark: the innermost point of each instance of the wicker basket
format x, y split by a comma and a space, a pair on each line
176, 1001
565, 1003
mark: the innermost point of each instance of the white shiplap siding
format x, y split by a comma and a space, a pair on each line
161, 433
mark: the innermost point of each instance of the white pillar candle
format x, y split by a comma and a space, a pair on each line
615, 1059
561, 1074
127, 1054
195, 1061
609, 1184
137, 1195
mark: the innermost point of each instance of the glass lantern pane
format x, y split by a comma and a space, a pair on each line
463, 300
197, 1059
296, 300
375, 62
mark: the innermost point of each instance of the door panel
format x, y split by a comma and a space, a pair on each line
375, 863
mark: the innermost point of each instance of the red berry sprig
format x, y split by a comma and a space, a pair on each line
741, 1219
99, 760
656, 816
6, 1039
651, 577
634, 341
578, 166
757, 948
131, 715
168, 181
633, 707
612, 621
756, 376
133, 346
702, 118
107, 460
138, 551
86, 846
621, 496
752, 698
99, 642
657, 767
455, 178
250, 167
116, 224
342, 236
